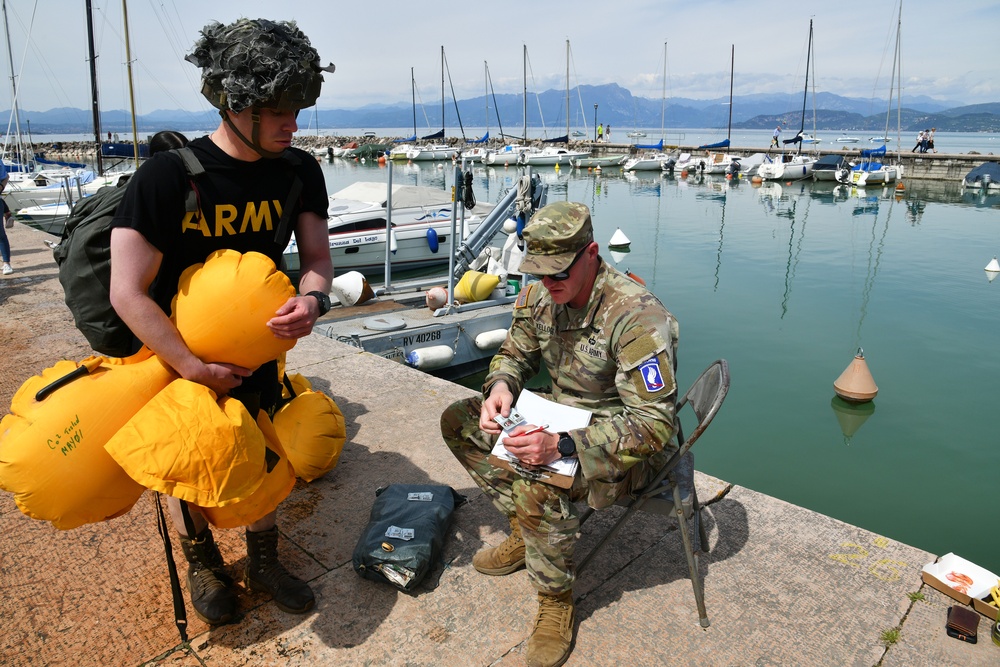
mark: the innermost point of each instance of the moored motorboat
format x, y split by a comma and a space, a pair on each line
602, 161
421, 225
986, 176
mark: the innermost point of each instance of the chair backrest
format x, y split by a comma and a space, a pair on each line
704, 397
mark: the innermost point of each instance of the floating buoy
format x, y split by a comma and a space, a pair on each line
994, 265
900, 186
430, 357
788, 182
618, 239
684, 173
381, 159
491, 340
436, 297
856, 383
432, 239
756, 180
729, 177
597, 169
351, 289
557, 166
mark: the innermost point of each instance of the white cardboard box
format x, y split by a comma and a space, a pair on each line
962, 580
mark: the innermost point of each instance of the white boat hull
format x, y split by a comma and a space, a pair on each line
550, 157
652, 162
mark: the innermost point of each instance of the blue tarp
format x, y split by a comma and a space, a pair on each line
123, 150
401, 141
482, 139
874, 152
558, 140
71, 165
652, 147
721, 144
991, 169
436, 135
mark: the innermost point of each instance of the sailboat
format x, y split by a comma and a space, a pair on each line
551, 155
509, 153
654, 159
434, 151
793, 167
872, 168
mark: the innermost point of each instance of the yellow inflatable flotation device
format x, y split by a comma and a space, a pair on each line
475, 286
52, 455
274, 488
311, 428
52, 445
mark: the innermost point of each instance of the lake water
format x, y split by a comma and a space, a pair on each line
786, 282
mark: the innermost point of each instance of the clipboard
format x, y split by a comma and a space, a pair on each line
538, 410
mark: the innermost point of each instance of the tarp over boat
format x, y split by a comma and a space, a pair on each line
403, 141
720, 144
874, 152
436, 135
991, 169
558, 140
481, 140
123, 150
651, 147
71, 165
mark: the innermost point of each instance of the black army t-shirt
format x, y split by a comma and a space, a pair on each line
239, 207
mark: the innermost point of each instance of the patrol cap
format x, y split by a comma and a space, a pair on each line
554, 235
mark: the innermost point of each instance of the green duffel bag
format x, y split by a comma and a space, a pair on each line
405, 533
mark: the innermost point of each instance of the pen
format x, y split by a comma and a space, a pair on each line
533, 430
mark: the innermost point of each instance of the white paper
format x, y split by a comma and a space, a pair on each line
558, 417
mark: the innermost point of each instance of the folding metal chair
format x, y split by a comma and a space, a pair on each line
672, 492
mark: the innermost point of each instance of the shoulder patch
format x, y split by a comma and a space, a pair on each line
522, 296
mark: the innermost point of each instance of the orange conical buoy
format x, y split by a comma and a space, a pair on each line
856, 383
900, 186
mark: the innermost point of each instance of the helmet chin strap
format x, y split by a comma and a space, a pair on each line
255, 143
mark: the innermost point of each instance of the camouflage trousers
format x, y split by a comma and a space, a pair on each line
547, 515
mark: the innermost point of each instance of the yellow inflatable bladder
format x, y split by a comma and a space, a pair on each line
222, 308
311, 429
188, 444
475, 286
52, 455
277, 484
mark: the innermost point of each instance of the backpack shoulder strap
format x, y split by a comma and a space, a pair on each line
194, 169
294, 193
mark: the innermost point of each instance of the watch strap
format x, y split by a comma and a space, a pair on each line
323, 300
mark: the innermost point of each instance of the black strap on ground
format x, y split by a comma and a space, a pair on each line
180, 611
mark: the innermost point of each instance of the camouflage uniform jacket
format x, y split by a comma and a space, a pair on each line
614, 357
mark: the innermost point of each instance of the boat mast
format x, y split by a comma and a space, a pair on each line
413, 98
131, 89
524, 94
20, 157
663, 92
567, 92
732, 69
899, 82
93, 87
486, 94
805, 92
442, 92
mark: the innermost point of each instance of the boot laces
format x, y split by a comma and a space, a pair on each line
552, 614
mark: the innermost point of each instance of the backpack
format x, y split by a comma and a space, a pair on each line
84, 259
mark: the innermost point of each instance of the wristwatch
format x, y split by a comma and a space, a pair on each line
566, 446
324, 301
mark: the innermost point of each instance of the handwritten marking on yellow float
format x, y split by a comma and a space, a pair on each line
69, 439
885, 569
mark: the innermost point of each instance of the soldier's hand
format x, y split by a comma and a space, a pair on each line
537, 448
497, 403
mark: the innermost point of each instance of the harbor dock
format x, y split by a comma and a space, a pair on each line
783, 585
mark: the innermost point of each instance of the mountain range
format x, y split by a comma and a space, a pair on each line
614, 105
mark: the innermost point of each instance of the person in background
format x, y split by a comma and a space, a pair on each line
259, 74
921, 137
8, 222
607, 133
609, 347
930, 141
775, 137
600, 132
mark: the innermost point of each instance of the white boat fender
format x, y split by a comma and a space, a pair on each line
351, 289
491, 340
436, 297
392, 241
432, 240
619, 239
430, 357
509, 226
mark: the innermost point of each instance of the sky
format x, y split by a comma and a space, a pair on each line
946, 48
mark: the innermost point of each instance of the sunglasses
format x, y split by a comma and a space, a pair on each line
564, 274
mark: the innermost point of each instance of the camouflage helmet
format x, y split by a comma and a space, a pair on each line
256, 63
554, 236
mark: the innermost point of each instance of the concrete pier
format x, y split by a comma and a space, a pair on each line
784, 585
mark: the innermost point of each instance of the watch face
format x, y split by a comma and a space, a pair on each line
566, 446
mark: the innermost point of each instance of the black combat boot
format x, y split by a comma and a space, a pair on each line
207, 582
266, 575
